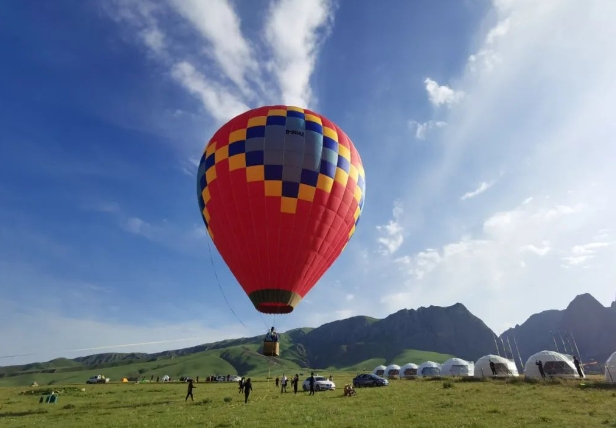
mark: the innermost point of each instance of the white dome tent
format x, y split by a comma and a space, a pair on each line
392, 371
503, 367
379, 370
408, 371
429, 369
610, 369
457, 367
555, 364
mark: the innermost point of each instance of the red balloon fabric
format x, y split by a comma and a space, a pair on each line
280, 190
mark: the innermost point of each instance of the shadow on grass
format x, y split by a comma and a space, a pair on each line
136, 405
25, 413
598, 385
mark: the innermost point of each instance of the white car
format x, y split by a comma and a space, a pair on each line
98, 379
320, 384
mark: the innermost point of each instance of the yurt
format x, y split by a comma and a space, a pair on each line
502, 366
457, 367
610, 369
166, 378
379, 370
408, 371
392, 371
429, 369
555, 364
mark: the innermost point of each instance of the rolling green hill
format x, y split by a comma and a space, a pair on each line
239, 359
352, 344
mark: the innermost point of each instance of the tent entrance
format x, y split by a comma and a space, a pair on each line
430, 371
501, 369
558, 368
459, 370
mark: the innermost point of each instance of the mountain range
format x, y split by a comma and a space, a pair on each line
585, 328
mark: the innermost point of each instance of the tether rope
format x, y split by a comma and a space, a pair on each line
209, 249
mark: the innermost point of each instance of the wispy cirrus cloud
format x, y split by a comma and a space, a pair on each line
240, 72
295, 31
391, 234
422, 129
483, 186
174, 236
220, 27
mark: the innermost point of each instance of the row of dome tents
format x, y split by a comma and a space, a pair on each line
451, 367
555, 364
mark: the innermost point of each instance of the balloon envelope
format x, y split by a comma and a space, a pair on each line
280, 190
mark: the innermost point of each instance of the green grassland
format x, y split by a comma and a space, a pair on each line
240, 359
405, 403
230, 360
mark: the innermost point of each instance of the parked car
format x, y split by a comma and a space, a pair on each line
369, 379
98, 379
320, 384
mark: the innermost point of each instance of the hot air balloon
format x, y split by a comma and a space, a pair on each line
280, 190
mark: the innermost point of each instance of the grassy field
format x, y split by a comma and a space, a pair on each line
418, 403
230, 360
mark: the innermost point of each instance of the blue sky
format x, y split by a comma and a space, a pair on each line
485, 128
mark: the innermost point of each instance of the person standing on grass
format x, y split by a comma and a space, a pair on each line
190, 389
283, 384
577, 367
540, 366
493, 368
311, 383
295, 382
247, 389
241, 388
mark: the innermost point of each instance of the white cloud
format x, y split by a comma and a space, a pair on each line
422, 263
488, 57
219, 24
392, 233
439, 95
141, 16
540, 251
218, 101
495, 265
154, 39
498, 31
165, 233
421, 129
483, 186
237, 78
295, 31
580, 254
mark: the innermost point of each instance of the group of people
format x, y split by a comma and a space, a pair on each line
271, 336
284, 381
245, 386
